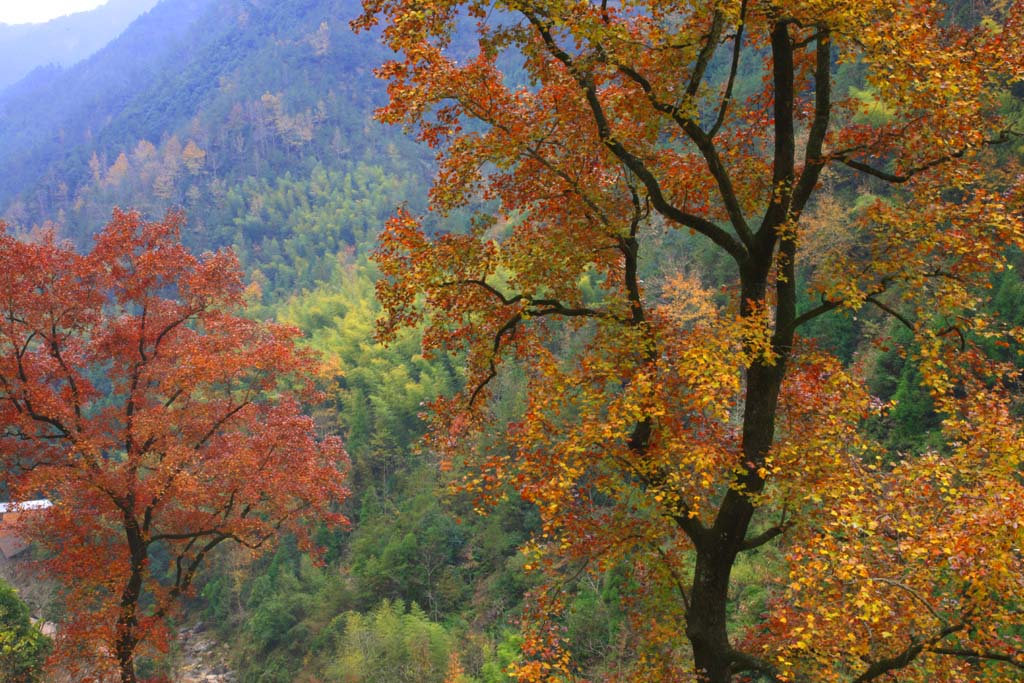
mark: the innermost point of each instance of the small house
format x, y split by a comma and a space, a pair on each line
11, 544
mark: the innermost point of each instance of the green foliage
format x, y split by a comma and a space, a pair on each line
1008, 303
838, 333
913, 415
293, 235
286, 604
873, 111
411, 554
299, 179
594, 620
377, 391
216, 594
261, 90
497, 660
291, 618
389, 645
909, 423
23, 647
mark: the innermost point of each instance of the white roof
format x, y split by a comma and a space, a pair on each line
27, 505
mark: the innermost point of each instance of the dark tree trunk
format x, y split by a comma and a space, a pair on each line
127, 622
718, 546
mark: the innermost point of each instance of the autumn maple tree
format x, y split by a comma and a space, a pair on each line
680, 426
159, 422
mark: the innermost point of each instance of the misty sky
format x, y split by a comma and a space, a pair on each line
32, 11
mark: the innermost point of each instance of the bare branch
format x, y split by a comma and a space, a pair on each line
910, 591
480, 282
676, 579
893, 312
901, 659
737, 48
765, 536
1004, 136
813, 159
719, 236
508, 328
707, 150
1013, 660
812, 313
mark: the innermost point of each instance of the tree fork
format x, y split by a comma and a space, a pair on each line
719, 545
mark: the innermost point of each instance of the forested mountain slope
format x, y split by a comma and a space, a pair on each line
256, 117
194, 98
50, 121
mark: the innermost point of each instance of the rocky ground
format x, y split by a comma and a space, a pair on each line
203, 660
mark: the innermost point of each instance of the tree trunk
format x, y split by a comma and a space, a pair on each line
706, 616
127, 638
127, 633
718, 546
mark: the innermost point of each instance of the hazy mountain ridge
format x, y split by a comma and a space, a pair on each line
65, 40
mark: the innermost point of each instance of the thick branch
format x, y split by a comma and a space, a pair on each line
812, 313
480, 282
533, 308
1013, 660
508, 328
707, 150
183, 576
1003, 137
743, 662
901, 659
191, 536
630, 248
764, 537
893, 312
25, 404
783, 155
707, 51
632, 162
170, 328
76, 398
219, 423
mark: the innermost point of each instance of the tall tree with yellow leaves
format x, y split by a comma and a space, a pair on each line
682, 433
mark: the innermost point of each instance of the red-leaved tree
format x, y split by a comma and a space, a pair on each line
159, 421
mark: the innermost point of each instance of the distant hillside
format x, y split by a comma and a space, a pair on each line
194, 98
254, 116
63, 41
55, 113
